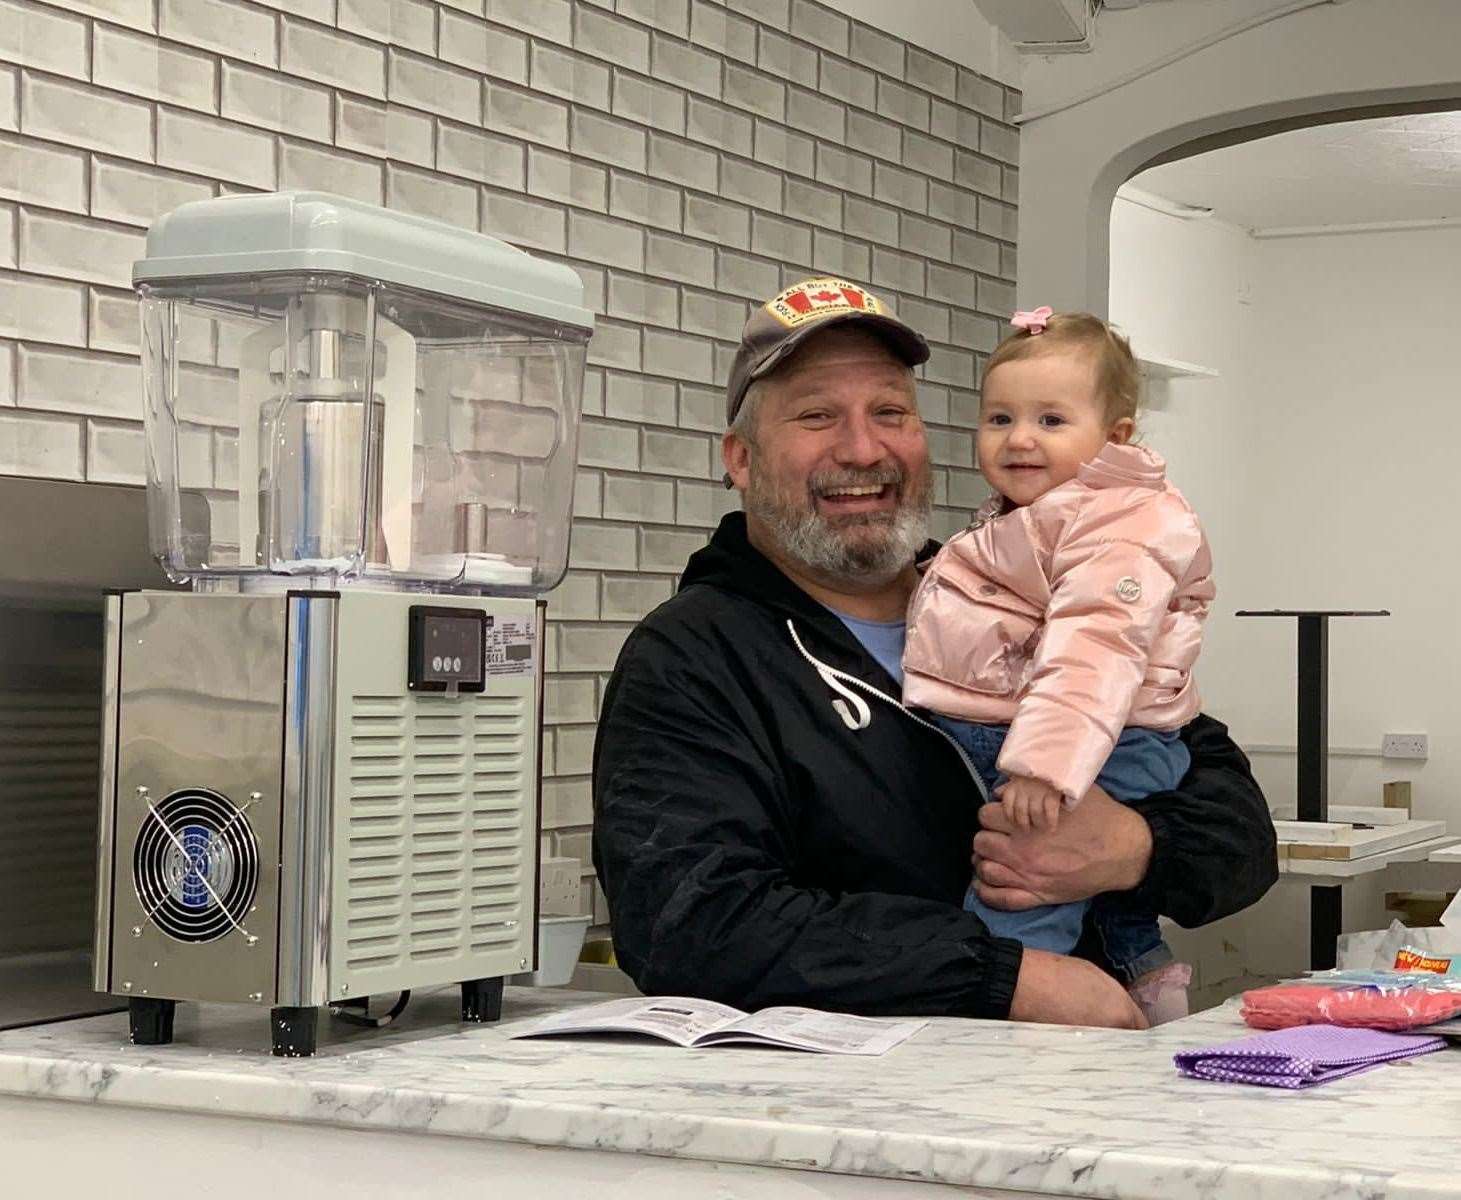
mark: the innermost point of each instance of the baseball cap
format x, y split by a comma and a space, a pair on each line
778, 327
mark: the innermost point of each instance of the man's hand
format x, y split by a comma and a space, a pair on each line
1057, 990
1099, 846
1029, 803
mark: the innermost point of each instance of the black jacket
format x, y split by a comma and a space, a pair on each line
758, 846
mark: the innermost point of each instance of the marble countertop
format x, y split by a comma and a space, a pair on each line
974, 1103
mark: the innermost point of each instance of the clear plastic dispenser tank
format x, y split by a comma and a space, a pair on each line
335, 393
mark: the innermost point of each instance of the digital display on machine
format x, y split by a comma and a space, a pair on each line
446, 648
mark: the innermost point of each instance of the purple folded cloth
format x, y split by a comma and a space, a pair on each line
1303, 1056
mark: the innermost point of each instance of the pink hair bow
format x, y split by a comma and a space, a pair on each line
1033, 322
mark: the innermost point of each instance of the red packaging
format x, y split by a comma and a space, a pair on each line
1290, 1004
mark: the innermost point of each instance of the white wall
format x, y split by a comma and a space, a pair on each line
1322, 462
1178, 288
1317, 61
953, 28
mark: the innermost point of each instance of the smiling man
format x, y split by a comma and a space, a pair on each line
771, 824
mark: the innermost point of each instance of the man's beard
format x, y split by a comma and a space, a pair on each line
865, 546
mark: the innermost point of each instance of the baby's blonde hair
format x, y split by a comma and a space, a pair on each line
1118, 379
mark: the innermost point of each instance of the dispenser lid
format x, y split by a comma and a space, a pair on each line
313, 231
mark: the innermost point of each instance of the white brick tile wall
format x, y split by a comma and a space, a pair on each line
139, 14
226, 26
213, 148
69, 247
757, 186
84, 116
682, 162
42, 174
274, 101
519, 112
42, 37
77, 381
690, 68
424, 83
46, 310
482, 157
384, 130
684, 454
704, 504
643, 300
552, 19
666, 550
567, 699
573, 76
637, 398
532, 224
783, 58
595, 545
628, 597
718, 222
481, 47
673, 16
575, 599
604, 240
687, 158
9, 92
714, 28
784, 148
561, 177
604, 445
714, 124
612, 38
607, 140
878, 50
140, 65
313, 167
349, 63
7, 373
410, 23
644, 201
634, 499
33, 443
430, 195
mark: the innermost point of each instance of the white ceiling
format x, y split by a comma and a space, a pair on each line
1359, 172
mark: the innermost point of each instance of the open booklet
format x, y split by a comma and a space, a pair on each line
699, 1023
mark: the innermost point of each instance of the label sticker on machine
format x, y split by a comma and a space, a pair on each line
510, 646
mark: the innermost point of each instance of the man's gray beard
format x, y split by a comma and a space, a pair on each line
806, 536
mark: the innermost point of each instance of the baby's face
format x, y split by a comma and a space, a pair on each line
1039, 421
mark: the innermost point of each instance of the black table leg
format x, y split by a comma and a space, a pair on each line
1325, 909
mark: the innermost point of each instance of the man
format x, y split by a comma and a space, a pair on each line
771, 826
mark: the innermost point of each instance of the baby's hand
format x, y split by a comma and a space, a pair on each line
1029, 803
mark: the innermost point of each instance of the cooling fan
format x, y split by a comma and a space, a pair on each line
196, 865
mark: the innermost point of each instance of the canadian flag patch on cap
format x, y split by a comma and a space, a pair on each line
814, 299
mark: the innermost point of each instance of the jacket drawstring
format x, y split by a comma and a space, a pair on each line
846, 696
838, 681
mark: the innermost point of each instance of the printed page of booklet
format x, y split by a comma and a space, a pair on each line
699, 1023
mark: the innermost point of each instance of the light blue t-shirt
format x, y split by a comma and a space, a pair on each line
882, 639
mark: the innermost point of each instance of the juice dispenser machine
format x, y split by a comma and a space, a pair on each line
321, 765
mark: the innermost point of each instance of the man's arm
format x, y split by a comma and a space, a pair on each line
1202, 852
694, 843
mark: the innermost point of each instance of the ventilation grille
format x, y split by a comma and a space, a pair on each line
196, 865
436, 828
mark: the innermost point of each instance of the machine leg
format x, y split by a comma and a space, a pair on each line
293, 1030
150, 1020
482, 1000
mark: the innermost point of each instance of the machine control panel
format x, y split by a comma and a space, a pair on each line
446, 647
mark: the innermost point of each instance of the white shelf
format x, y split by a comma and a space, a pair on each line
1156, 367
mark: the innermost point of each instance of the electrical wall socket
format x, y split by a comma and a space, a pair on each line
1404, 745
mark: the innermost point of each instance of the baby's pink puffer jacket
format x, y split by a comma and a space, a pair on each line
1068, 619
